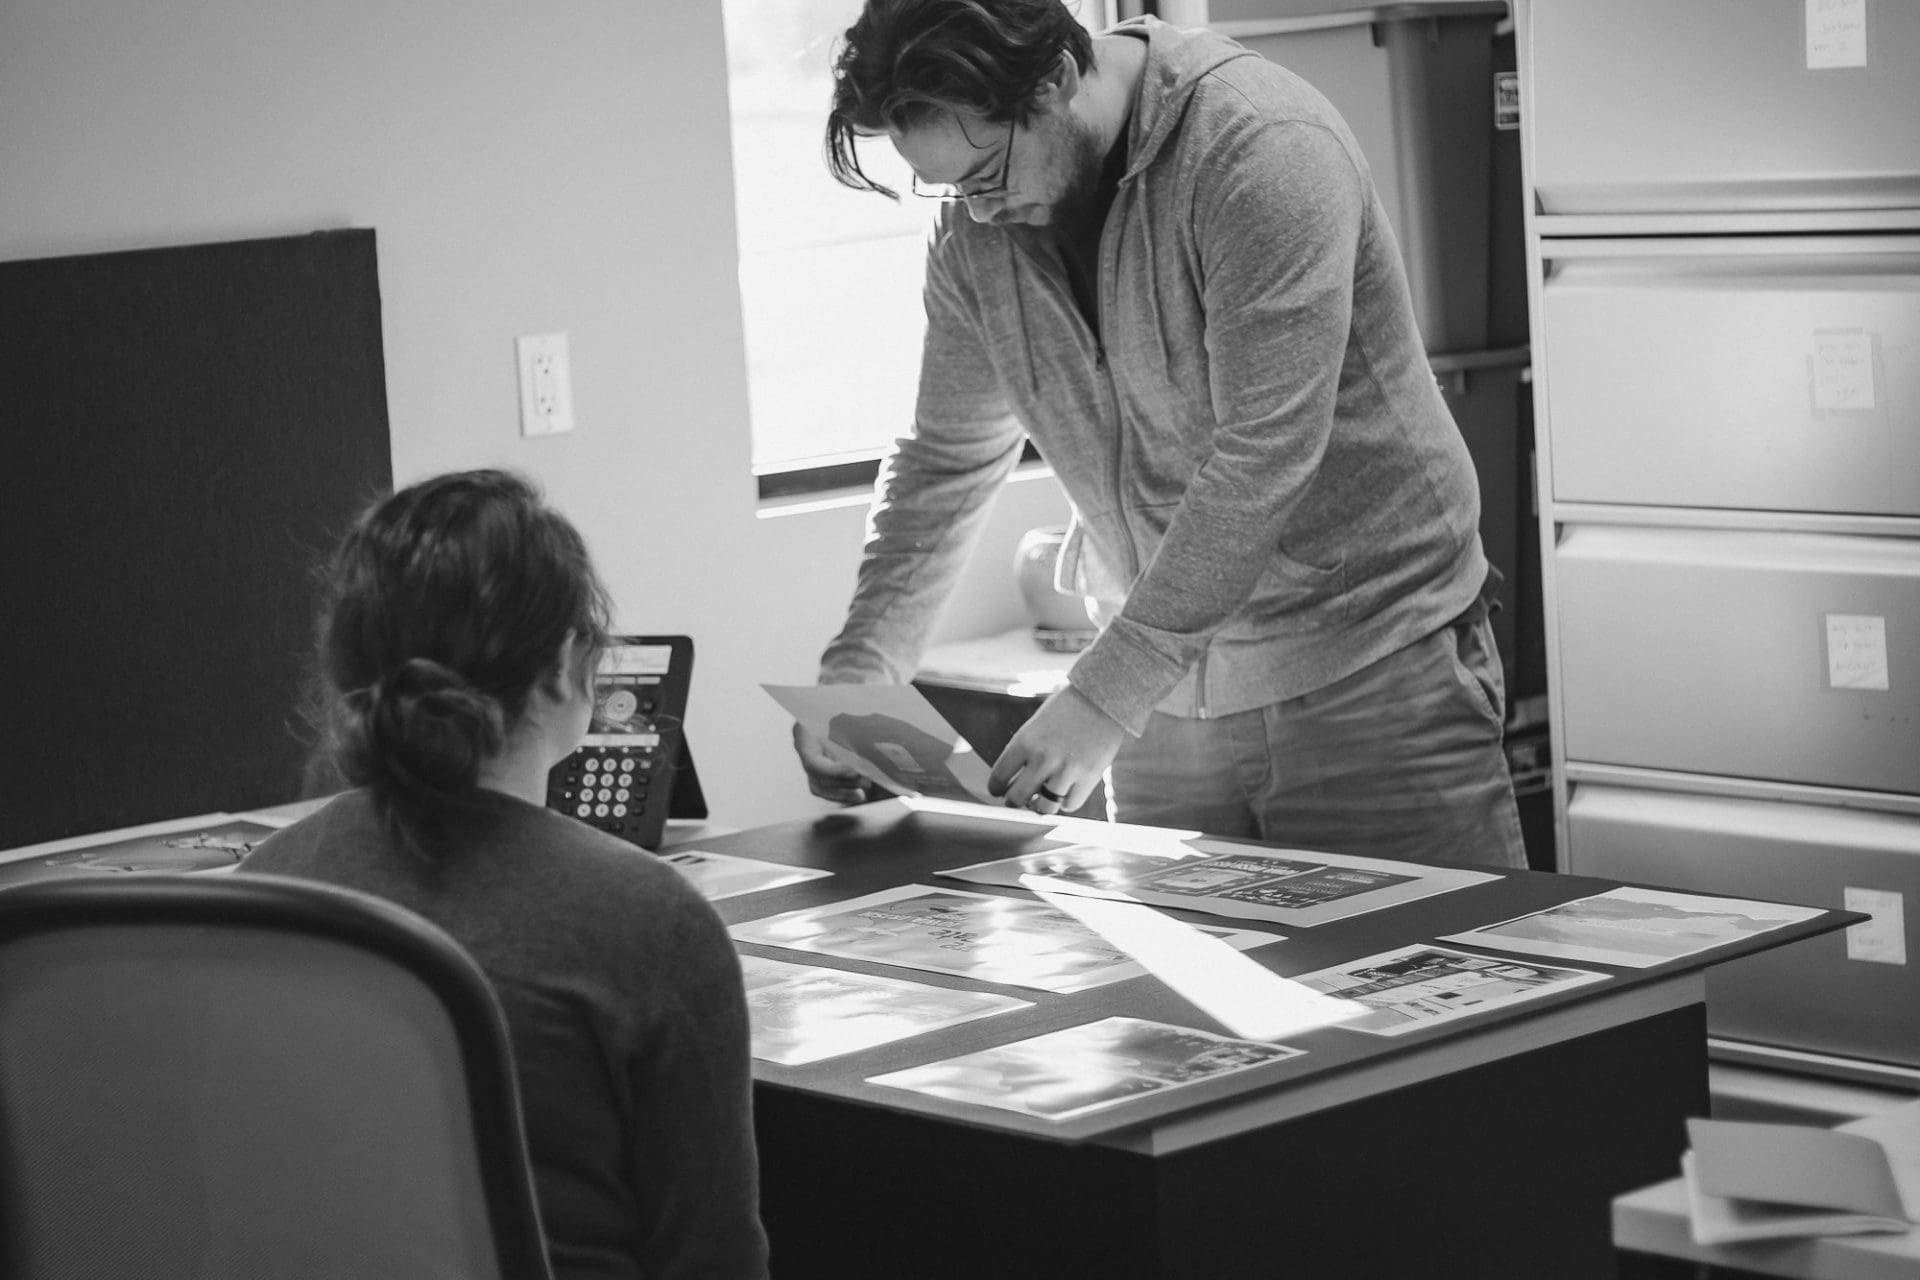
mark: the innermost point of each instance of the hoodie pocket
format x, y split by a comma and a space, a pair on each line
1293, 596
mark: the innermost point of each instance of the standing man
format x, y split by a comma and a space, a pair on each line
1163, 259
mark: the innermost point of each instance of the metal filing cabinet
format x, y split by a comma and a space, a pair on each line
1723, 234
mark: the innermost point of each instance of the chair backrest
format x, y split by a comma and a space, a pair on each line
249, 1077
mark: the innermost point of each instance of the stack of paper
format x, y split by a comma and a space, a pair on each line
1750, 1181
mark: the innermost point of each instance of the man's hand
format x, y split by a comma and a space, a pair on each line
827, 777
1059, 756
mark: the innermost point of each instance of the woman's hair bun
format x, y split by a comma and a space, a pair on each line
421, 728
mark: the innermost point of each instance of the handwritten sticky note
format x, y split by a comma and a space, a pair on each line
1842, 370
1856, 651
1836, 34
1883, 939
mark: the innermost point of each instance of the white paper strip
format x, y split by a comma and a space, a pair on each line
1251, 1001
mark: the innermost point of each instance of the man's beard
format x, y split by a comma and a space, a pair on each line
1080, 199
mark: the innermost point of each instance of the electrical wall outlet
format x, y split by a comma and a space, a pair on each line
546, 384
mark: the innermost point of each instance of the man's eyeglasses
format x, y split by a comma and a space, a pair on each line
999, 186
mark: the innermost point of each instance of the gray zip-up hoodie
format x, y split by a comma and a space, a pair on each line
1268, 490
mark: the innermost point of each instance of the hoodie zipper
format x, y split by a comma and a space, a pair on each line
1106, 268
1054, 271
1107, 272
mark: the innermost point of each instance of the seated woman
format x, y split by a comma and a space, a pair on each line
461, 627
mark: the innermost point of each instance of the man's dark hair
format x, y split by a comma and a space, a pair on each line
904, 60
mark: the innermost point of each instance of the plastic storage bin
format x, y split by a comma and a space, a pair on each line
1854, 993
1750, 373
1783, 657
1507, 319
1723, 106
1415, 84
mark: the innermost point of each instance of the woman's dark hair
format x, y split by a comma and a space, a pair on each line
442, 607
903, 60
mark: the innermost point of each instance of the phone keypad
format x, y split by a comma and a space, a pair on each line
606, 787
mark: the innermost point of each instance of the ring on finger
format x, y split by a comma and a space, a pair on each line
1045, 792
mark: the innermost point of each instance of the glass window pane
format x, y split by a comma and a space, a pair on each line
829, 277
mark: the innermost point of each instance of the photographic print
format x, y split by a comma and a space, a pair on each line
1634, 927
1421, 986
1284, 886
1088, 1068
803, 1013
1013, 941
892, 736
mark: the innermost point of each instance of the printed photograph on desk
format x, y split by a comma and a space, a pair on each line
1421, 986
724, 875
892, 736
1285, 886
1011, 941
1077, 1070
210, 843
1100, 868
1634, 927
802, 1013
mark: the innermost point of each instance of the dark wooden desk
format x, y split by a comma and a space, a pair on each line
1483, 1149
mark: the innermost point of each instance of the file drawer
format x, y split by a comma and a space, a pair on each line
1735, 106
1854, 993
1789, 657
1769, 374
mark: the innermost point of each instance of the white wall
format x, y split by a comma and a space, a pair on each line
527, 168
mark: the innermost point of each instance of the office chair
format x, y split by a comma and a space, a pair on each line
251, 1077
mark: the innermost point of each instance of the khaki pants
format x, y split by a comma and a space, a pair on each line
1400, 760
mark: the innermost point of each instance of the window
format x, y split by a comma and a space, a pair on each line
829, 277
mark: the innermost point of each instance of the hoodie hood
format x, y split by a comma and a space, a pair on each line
1177, 60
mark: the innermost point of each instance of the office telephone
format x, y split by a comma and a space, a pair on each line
632, 770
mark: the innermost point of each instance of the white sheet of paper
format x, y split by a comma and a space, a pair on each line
1843, 371
892, 736
1247, 999
1883, 939
1856, 651
1836, 34
1804, 1165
